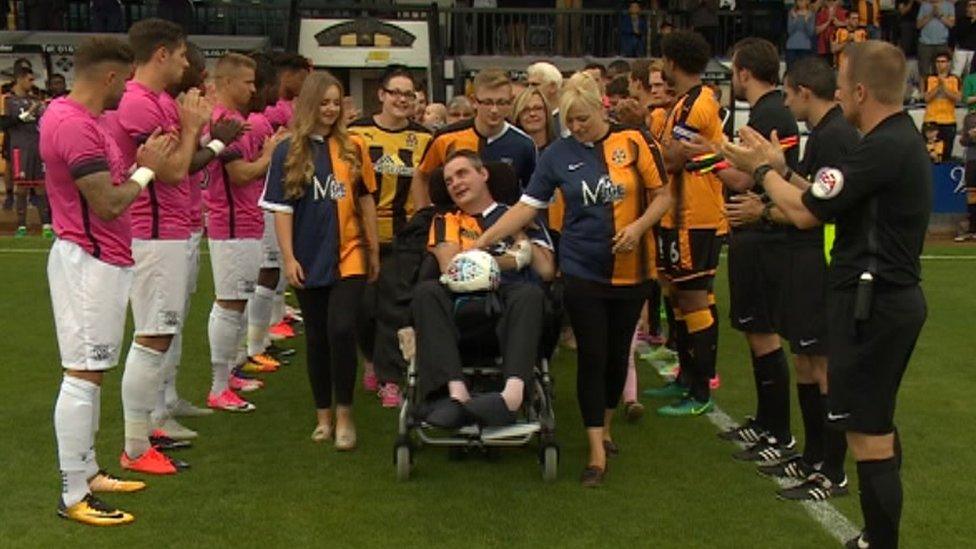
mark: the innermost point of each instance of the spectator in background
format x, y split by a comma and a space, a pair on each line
617, 90
851, 33
640, 85
547, 78
801, 32
869, 12
830, 17
56, 86
107, 16
435, 116
968, 140
531, 115
633, 32
458, 109
935, 18
421, 105
617, 67
934, 145
907, 31
703, 19
662, 31
599, 73
965, 38
21, 111
633, 110
942, 91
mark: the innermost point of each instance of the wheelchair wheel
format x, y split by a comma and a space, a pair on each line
550, 463
402, 459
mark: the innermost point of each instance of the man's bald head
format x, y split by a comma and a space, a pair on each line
877, 66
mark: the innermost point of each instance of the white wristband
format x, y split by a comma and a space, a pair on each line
142, 176
217, 146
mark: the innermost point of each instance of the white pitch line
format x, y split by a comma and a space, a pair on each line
829, 518
924, 257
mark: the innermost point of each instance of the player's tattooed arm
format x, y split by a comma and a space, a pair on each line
109, 201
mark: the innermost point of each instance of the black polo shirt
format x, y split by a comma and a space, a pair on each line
770, 113
880, 196
767, 114
828, 144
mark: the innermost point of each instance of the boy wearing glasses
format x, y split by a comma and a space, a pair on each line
489, 134
396, 144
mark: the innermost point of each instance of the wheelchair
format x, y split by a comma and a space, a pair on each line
481, 365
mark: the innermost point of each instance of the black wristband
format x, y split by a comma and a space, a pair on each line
764, 216
760, 173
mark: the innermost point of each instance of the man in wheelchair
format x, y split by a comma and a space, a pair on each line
446, 313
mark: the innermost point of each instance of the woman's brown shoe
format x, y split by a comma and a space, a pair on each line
592, 476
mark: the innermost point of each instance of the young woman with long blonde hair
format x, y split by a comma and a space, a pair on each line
320, 187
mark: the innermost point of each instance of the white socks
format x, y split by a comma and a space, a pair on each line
141, 383
74, 413
259, 319
458, 391
167, 396
223, 331
512, 393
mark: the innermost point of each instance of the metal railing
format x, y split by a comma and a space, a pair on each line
239, 18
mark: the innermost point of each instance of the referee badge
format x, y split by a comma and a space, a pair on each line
827, 183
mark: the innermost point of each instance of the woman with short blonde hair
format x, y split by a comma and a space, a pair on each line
613, 182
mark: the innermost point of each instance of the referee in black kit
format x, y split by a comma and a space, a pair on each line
756, 270
880, 197
810, 88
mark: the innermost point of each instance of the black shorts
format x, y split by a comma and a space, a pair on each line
867, 359
804, 313
758, 268
688, 257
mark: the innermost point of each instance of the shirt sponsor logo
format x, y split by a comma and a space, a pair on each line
393, 166
331, 189
827, 183
605, 192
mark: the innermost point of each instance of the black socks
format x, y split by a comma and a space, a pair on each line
881, 501
772, 373
811, 408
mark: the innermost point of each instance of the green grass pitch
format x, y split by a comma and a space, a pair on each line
258, 481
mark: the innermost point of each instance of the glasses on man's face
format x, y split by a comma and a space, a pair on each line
488, 103
409, 95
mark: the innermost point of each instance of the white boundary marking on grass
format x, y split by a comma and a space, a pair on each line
829, 518
204, 251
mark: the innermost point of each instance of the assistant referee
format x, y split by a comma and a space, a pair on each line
880, 199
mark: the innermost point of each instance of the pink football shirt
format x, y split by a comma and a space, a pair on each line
162, 210
232, 210
74, 144
280, 113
